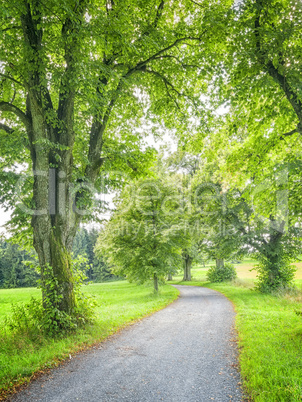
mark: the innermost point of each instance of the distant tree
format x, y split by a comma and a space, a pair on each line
143, 240
95, 269
184, 166
101, 271
16, 268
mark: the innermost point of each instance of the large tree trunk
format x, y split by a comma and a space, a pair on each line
187, 261
56, 271
155, 283
54, 227
170, 277
219, 263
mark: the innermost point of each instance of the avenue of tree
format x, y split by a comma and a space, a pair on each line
83, 83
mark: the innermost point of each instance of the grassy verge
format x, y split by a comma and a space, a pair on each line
270, 341
119, 303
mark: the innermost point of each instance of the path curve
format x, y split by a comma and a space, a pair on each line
183, 353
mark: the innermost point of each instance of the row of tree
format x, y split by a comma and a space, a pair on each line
80, 78
177, 215
16, 268
93, 266
20, 267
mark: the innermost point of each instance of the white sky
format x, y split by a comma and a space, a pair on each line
4, 217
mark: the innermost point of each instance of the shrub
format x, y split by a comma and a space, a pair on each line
222, 274
36, 318
274, 276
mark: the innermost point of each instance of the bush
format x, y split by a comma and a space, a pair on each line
222, 274
274, 276
35, 318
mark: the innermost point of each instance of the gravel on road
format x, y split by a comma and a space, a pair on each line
184, 353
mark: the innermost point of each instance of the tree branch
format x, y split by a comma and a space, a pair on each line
291, 96
12, 27
198, 4
167, 85
153, 25
9, 107
168, 56
11, 78
165, 80
290, 133
96, 138
98, 127
172, 87
4, 127
279, 78
143, 63
159, 13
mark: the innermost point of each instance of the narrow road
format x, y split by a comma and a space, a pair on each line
183, 353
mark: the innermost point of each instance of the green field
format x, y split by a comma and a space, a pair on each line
119, 303
269, 331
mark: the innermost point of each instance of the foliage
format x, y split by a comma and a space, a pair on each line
258, 214
216, 210
275, 272
143, 239
227, 272
184, 166
33, 318
17, 266
96, 268
54, 320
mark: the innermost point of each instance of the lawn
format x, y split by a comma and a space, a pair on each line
269, 332
119, 303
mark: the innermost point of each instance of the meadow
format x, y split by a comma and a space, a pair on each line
269, 331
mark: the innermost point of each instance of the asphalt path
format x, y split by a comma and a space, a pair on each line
185, 352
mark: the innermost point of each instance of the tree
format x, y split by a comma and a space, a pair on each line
76, 78
143, 240
266, 39
95, 269
16, 268
258, 77
269, 224
184, 167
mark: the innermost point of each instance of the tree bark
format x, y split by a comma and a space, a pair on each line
273, 251
219, 263
54, 227
170, 277
187, 267
155, 283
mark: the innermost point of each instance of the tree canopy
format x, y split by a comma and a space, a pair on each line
83, 84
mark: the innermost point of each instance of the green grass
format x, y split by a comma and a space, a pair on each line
11, 296
269, 331
119, 303
270, 339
